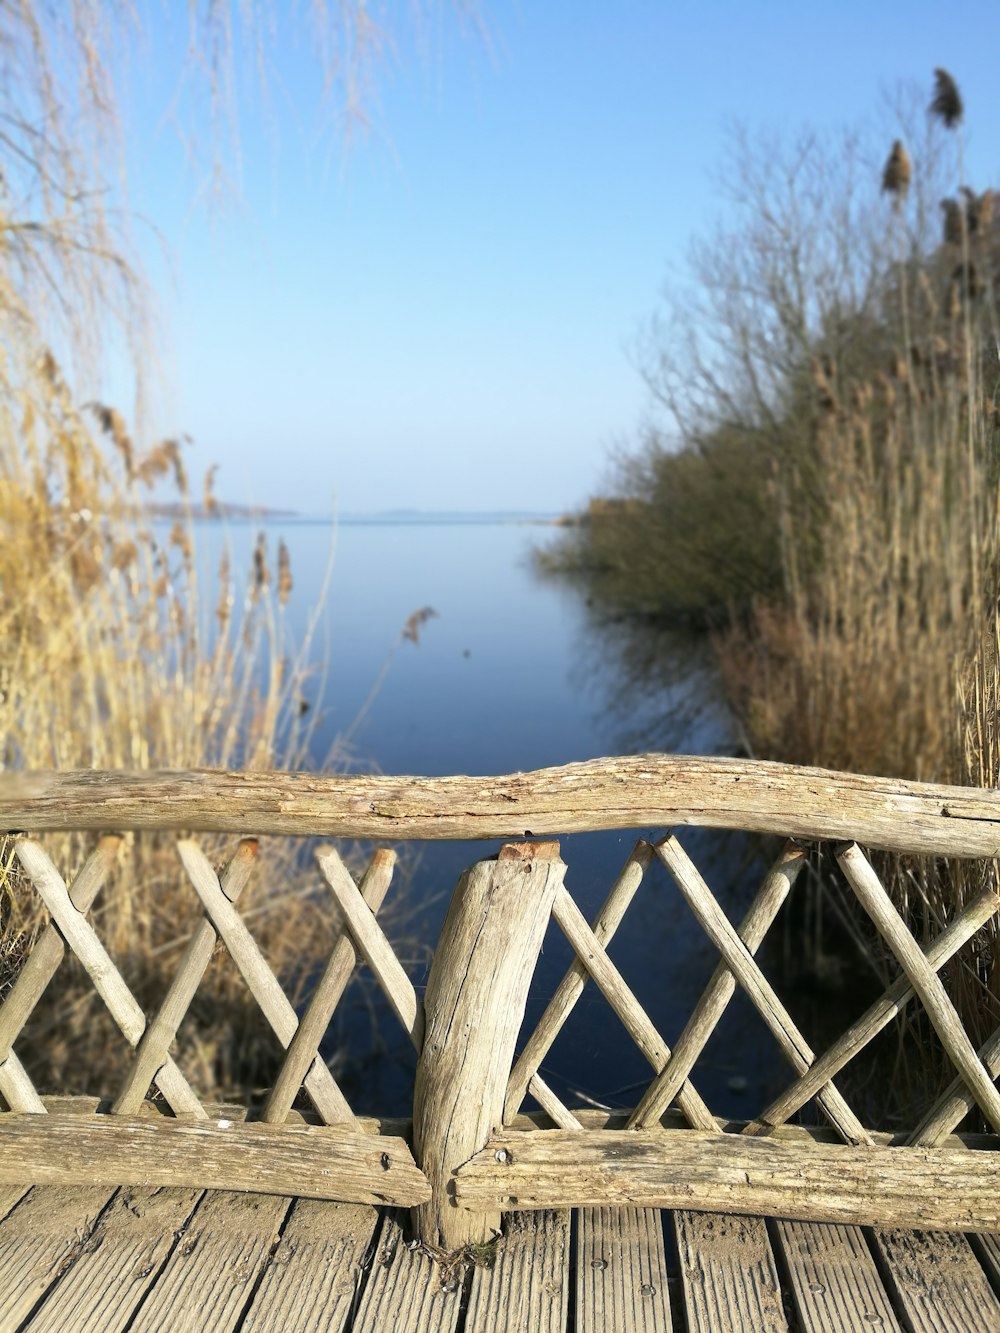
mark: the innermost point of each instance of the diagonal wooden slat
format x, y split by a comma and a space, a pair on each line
152, 1051
879, 1015
561, 1115
38, 970
574, 925
722, 933
304, 1048
956, 1101
569, 990
720, 990
370, 940
928, 985
81, 937
17, 1089
274, 1003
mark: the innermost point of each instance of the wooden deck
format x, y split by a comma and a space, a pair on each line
81, 1259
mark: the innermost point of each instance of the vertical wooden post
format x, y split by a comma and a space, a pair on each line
476, 996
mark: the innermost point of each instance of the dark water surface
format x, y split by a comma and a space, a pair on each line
512, 674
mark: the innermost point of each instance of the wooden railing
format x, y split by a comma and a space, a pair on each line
475, 1154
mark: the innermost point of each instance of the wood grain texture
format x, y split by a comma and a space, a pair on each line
39, 1241
313, 1279
303, 1048
323, 1162
987, 1250
956, 1101
938, 1282
728, 1275
38, 970
49, 949
253, 968
719, 991
36, 973
834, 1282
920, 1187
635, 791
526, 1285
119, 1263
621, 1272
616, 991
759, 990
153, 1049
80, 935
871, 894
211, 1273
17, 1089
475, 1001
877, 1017
370, 941
10, 1196
553, 1107
524, 1075
407, 1291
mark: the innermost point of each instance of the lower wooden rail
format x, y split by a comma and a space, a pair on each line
312, 1161
943, 1189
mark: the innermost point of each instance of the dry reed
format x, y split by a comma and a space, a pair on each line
884, 656
106, 663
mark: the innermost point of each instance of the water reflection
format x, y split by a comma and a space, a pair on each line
513, 673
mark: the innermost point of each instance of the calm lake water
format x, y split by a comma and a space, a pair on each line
512, 673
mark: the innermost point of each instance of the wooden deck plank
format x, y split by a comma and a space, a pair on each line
728, 1274
405, 1292
314, 1278
120, 1262
39, 1240
988, 1250
939, 1283
621, 1272
834, 1281
10, 1195
211, 1272
527, 1285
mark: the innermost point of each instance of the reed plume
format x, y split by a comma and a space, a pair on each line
946, 104
897, 173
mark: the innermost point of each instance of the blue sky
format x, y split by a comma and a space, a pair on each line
441, 315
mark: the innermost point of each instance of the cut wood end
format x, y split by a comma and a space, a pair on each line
529, 851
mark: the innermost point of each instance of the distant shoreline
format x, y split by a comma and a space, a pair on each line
229, 512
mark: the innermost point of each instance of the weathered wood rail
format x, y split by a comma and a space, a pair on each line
474, 1154
636, 791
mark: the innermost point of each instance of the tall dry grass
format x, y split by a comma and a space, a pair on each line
884, 655
114, 655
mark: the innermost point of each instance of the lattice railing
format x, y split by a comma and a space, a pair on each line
737, 947
389, 1175
478, 1156
752, 1167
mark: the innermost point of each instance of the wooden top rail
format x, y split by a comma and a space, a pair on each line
638, 791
